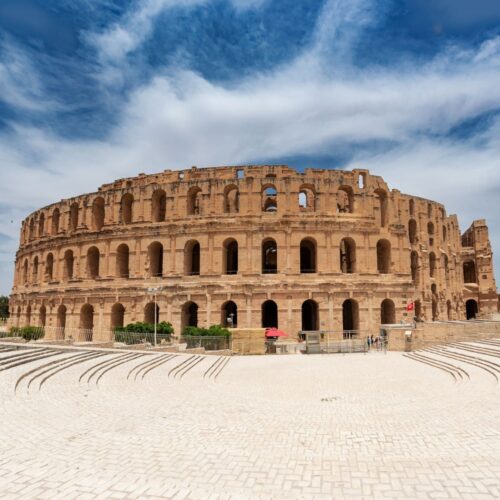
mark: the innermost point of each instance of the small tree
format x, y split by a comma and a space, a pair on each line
4, 306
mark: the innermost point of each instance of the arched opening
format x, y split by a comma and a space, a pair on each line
230, 256
98, 213
231, 200
41, 225
117, 316
55, 221
414, 267
383, 257
32, 229
446, 267
350, 318
432, 265
269, 314
307, 256
307, 199
42, 316
229, 314
387, 312
412, 207
159, 205
49, 267
381, 207
192, 258
449, 310
269, 257
68, 264
469, 272
471, 309
418, 309
430, 231
155, 255
194, 201
412, 231
126, 208
345, 200
189, 315
35, 270
348, 255
150, 312
269, 199
73, 216
61, 322
435, 311
310, 319
445, 233
87, 321
122, 261
28, 316
25, 271
93, 258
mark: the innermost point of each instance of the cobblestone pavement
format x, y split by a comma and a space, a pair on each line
87, 424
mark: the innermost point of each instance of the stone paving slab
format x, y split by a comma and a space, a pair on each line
342, 426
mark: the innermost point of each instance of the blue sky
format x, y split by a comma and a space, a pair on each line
91, 91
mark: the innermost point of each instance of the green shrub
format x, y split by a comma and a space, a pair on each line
27, 332
212, 331
140, 327
136, 333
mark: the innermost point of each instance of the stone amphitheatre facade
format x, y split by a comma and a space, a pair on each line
263, 245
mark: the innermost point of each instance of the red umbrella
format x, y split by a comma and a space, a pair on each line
274, 332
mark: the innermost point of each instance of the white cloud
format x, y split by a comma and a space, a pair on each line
20, 85
179, 119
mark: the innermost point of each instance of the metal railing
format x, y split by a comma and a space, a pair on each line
134, 338
346, 341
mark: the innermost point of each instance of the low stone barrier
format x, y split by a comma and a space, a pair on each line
421, 335
248, 340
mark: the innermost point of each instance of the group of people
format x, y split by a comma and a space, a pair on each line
376, 342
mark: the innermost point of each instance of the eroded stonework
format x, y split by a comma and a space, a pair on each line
263, 245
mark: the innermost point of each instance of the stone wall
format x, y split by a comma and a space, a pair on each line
350, 253
248, 340
427, 334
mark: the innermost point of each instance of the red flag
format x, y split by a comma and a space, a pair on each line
410, 306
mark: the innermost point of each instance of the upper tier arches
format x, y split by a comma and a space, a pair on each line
260, 191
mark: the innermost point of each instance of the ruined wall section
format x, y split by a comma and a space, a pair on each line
477, 265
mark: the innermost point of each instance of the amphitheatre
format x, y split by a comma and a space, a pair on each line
322, 254
267, 246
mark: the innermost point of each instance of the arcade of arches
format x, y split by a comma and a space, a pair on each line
248, 247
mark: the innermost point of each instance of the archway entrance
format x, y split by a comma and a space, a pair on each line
307, 256
418, 309
350, 318
189, 315
471, 309
86, 322
117, 316
269, 314
310, 316
61, 322
231, 257
149, 313
229, 314
387, 312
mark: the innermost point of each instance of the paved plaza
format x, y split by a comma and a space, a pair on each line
108, 424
